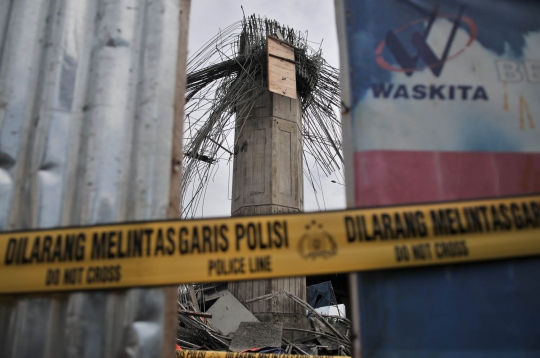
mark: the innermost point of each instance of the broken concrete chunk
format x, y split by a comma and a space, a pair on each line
228, 312
257, 335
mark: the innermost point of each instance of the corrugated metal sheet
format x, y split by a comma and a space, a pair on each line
87, 91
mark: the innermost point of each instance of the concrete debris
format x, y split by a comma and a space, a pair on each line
233, 328
228, 313
208, 293
257, 334
325, 337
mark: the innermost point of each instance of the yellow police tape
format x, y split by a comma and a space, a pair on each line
239, 248
215, 354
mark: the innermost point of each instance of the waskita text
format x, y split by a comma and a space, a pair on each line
429, 92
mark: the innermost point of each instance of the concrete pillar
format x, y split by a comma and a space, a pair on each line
268, 179
267, 174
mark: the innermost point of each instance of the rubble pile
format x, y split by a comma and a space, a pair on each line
228, 325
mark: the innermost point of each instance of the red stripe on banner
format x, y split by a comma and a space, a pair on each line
401, 177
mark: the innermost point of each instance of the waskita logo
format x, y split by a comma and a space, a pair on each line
423, 57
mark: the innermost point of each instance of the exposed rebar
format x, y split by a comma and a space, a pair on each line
224, 79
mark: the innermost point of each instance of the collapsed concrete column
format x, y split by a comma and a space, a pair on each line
268, 179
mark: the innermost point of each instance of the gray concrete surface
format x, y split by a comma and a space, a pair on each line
257, 335
227, 314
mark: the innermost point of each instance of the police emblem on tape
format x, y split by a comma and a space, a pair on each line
316, 242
